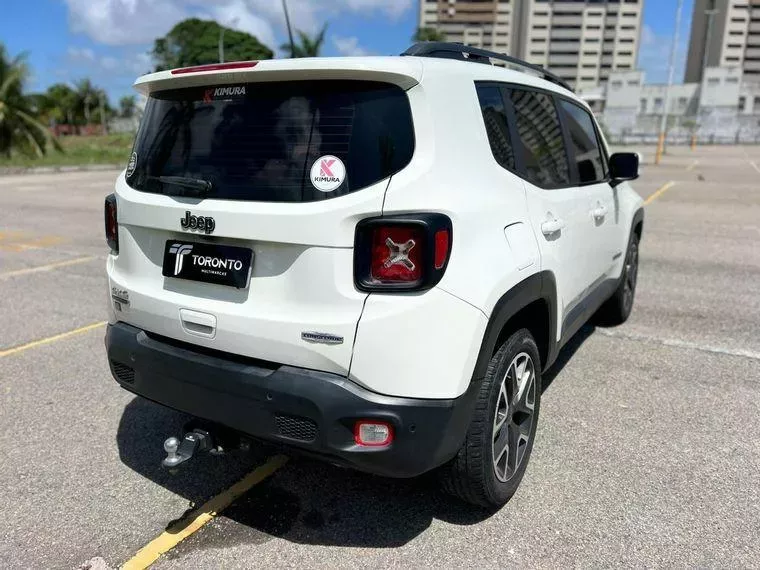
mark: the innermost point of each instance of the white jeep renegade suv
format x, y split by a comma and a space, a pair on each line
371, 260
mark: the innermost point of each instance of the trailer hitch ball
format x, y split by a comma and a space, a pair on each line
171, 446
193, 442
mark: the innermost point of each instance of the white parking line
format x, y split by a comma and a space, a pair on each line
693, 164
49, 267
677, 343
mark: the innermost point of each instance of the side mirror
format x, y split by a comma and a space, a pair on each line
624, 166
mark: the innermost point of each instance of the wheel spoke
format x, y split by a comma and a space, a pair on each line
502, 410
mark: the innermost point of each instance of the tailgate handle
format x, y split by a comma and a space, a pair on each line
197, 323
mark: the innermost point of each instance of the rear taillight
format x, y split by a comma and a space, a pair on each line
402, 253
397, 254
112, 224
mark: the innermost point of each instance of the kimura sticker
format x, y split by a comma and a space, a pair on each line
132, 164
327, 173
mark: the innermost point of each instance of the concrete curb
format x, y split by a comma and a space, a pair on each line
10, 170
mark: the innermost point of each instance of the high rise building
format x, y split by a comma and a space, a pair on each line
724, 33
582, 41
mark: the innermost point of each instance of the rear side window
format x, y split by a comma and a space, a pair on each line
540, 136
584, 143
296, 141
495, 119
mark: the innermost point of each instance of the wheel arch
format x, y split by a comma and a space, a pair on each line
530, 304
637, 225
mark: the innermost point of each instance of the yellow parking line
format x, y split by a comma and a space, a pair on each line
41, 268
664, 188
179, 531
48, 340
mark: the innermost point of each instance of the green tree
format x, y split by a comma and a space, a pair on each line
306, 46
196, 42
127, 106
87, 102
428, 35
20, 129
60, 103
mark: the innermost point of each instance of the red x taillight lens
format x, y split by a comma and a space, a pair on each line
112, 224
401, 253
397, 254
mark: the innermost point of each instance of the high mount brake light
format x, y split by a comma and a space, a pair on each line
215, 67
112, 224
401, 253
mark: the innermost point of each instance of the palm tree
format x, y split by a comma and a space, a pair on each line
20, 130
127, 106
428, 35
306, 45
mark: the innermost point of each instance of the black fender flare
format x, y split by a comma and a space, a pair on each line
638, 216
537, 287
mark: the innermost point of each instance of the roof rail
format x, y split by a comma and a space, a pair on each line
449, 50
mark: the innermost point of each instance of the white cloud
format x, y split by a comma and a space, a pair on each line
125, 22
654, 55
80, 54
348, 46
86, 61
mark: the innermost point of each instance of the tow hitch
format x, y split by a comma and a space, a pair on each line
199, 440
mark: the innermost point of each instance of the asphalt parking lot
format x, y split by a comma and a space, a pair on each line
647, 454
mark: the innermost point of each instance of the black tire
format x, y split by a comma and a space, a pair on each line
472, 474
616, 310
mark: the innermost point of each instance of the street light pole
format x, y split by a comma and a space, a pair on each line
290, 31
664, 122
221, 44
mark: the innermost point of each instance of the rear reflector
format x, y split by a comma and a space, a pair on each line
373, 433
215, 67
397, 253
441, 248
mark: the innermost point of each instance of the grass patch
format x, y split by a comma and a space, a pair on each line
78, 150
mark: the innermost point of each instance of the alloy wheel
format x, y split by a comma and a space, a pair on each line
513, 418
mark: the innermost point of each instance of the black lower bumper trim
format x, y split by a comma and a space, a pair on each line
311, 411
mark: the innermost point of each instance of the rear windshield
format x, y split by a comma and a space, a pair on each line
294, 141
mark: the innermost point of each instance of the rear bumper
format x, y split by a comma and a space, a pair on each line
311, 411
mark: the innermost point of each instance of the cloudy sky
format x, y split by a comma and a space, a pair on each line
109, 40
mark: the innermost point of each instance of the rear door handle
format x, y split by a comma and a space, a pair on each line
552, 226
599, 212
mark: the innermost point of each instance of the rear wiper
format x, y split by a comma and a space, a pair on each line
191, 186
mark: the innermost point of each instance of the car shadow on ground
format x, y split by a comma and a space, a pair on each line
307, 501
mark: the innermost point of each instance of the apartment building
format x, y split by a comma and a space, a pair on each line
582, 41
724, 33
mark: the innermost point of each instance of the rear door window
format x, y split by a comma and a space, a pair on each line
584, 143
293, 141
544, 156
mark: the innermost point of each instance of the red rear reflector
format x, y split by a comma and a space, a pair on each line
215, 67
112, 224
397, 254
373, 433
441, 248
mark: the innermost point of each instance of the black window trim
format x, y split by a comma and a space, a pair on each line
504, 86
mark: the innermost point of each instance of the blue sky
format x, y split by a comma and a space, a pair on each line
108, 40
